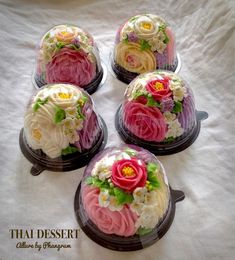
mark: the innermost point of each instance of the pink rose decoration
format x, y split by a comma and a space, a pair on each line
70, 66
129, 174
159, 88
145, 122
121, 223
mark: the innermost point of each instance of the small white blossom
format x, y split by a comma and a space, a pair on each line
136, 207
104, 198
174, 129
139, 194
113, 205
178, 93
169, 116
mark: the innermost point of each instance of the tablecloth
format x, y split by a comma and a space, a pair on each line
204, 224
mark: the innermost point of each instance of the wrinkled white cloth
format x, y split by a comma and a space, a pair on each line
204, 224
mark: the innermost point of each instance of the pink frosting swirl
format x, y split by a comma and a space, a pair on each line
121, 223
70, 66
170, 49
145, 122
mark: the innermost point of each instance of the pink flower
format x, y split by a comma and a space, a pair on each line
159, 88
129, 174
121, 223
70, 66
145, 122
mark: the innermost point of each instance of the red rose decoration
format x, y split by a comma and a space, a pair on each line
129, 174
70, 66
145, 122
159, 88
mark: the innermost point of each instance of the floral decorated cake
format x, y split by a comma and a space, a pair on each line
158, 107
68, 54
61, 120
125, 191
144, 43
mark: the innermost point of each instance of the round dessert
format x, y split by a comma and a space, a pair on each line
158, 113
124, 193
68, 54
60, 120
144, 43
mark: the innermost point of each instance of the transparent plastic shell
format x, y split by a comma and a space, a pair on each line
68, 54
143, 43
62, 130
158, 112
124, 201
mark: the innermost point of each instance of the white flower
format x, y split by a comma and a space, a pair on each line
148, 217
103, 168
136, 207
174, 129
169, 116
139, 194
179, 93
151, 198
104, 198
113, 205
145, 27
161, 46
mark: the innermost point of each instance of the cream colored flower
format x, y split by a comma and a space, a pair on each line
169, 116
139, 194
104, 198
145, 27
179, 93
113, 205
103, 168
132, 58
136, 207
174, 129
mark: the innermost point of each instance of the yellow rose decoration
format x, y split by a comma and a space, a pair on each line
132, 58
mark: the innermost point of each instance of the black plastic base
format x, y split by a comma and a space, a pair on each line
90, 88
120, 243
162, 148
70, 162
127, 76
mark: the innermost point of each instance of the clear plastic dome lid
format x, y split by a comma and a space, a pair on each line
158, 113
68, 54
144, 43
124, 192
60, 120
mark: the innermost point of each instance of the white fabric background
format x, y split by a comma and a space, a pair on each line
204, 225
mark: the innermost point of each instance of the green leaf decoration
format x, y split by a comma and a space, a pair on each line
59, 115
69, 150
138, 94
177, 107
89, 180
152, 178
152, 102
60, 45
122, 196
126, 39
169, 139
39, 103
166, 39
130, 151
98, 183
47, 36
80, 114
75, 47
143, 231
144, 45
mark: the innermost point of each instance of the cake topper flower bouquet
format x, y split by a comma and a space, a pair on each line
124, 192
158, 113
60, 121
68, 54
144, 43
